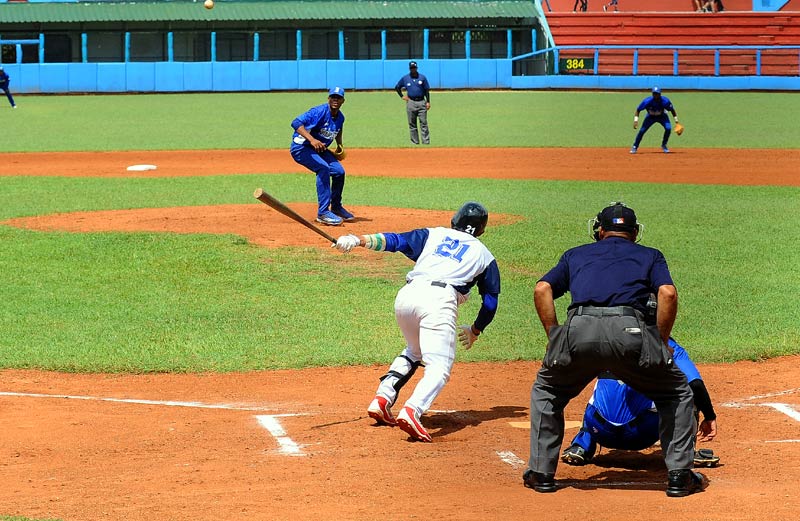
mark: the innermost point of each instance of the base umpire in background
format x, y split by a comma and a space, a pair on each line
418, 102
606, 329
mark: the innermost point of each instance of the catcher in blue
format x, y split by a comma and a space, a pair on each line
618, 417
314, 131
657, 107
449, 262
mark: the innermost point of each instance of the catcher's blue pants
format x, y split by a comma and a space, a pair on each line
648, 122
330, 175
638, 434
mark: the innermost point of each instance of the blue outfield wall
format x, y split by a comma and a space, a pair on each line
58, 78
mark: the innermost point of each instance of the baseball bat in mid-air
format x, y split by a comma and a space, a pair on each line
273, 203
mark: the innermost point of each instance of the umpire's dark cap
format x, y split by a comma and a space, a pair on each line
412, 65
618, 218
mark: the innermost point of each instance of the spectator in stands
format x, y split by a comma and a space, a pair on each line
612, 3
708, 6
584, 4
4, 79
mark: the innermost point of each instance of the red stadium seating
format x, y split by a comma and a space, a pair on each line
689, 28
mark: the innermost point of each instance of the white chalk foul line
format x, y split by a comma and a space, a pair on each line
198, 405
273, 425
506, 456
738, 403
785, 408
268, 421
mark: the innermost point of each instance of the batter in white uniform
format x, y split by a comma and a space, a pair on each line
449, 262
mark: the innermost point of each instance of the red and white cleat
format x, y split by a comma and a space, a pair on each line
408, 421
380, 411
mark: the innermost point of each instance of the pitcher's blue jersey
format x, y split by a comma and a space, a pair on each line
319, 122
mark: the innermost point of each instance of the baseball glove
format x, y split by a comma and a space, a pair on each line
678, 128
339, 153
705, 458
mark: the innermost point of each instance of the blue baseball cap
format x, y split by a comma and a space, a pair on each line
336, 91
656, 90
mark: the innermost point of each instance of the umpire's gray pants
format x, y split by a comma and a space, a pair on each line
418, 110
585, 346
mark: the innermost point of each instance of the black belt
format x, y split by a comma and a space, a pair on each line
416, 99
436, 283
615, 311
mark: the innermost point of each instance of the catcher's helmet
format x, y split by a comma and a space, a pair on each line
471, 218
616, 217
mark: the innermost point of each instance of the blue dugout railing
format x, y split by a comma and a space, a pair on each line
720, 77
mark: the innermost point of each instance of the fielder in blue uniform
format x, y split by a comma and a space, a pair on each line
4, 80
657, 107
618, 417
314, 131
418, 102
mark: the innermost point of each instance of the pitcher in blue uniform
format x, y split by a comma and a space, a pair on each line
314, 131
619, 417
657, 107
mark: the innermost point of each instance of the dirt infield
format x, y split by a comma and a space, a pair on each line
296, 445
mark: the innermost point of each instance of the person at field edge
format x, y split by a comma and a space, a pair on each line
580, 5
657, 107
619, 417
314, 131
612, 3
418, 102
610, 282
4, 80
448, 263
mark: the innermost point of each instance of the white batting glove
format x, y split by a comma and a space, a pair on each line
466, 336
345, 243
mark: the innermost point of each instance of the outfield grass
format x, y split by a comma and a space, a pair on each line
138, 302
378, 119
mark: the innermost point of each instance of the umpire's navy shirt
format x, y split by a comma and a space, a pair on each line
611, 272
416, 88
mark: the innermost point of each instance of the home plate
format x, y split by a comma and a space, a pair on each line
141, 168
527, 425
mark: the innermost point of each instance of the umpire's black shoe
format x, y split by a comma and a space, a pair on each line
539, 482
684, 482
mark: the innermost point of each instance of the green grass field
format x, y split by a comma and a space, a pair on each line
123, 302
377, 119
